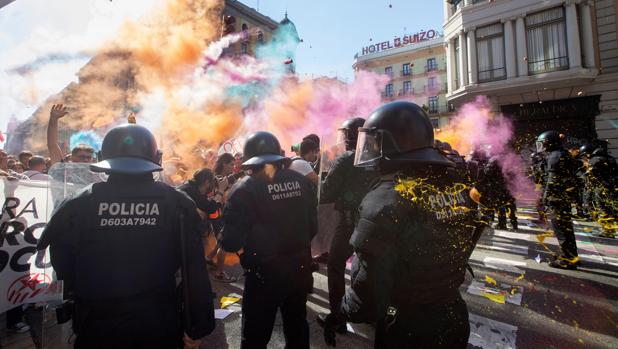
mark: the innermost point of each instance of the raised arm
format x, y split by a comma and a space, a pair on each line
57, 112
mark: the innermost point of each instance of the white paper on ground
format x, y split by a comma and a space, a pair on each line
478, 288
221, 314
491, 334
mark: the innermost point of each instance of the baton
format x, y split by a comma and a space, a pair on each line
184, 273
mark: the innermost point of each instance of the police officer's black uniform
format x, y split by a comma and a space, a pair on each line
476, 164
560, 188
272, 216
345, 185
539, 177
497, 195
601, 178
117, 247
413, 238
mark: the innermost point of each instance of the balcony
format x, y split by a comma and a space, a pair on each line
388, 96
404, 73
548, 65
439, 109
405, 92
492, 74
430, 68
435, 88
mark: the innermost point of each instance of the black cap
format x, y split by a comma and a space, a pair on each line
408, 134
261, 148
128, 149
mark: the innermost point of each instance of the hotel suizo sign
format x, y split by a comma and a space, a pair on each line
401, 41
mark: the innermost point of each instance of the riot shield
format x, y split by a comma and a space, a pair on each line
327, 217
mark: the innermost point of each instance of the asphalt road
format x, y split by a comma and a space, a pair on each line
515, 300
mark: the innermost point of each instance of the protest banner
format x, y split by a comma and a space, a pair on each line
26, 275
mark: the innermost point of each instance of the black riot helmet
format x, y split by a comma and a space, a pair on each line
348, 132
261, 148
547, 141
128, 149
587, 149
398, 132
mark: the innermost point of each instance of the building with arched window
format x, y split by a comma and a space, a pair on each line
257, 28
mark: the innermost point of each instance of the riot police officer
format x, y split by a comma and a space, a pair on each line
272, 215
559, 188
117, 247
413, 238
601, 181
345, 185
498, 198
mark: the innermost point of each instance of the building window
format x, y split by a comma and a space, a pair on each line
389, 71
388, 91
546, 40
490, 52
433, 104
406, 69
432, 83
435, 123
455, 5
407, 87
260, 38
432, 64
244, 48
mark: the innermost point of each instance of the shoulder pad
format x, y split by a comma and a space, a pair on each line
379, 218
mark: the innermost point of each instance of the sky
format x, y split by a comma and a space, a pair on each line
33, 31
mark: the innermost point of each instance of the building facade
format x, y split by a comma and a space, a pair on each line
416, 67
258, 28
549, 64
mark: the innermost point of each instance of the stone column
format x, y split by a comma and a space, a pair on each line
463, 60
447, 11
449, 68
522, 46
509, 49
587, 39
573, 45
454, 60
472, 63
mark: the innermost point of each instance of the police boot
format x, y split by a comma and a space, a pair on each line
562, 264
341, 328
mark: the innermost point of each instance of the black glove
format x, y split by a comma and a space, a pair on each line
330, 323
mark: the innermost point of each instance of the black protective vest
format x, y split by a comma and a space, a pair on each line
128, 239
274, 222
429, 219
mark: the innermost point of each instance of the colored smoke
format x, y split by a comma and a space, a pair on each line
170, 69
476, 127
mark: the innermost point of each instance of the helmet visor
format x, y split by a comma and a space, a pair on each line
368, 147
540, 147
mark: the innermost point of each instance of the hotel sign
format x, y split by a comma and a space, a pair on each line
401, 41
